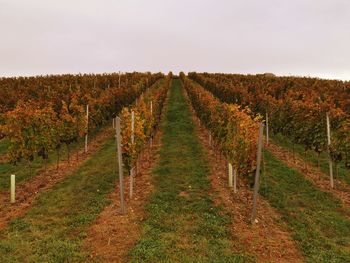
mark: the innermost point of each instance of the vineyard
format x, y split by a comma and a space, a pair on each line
200, 167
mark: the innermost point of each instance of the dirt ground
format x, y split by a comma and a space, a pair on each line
3, 158
113, 234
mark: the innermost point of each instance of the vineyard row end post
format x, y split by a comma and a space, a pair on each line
267, 129
151, 106
257, 173
13, 188
131, 175
230, 175
328, 147
120, 164
87, 128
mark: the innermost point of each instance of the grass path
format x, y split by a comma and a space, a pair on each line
341, 191
4, 144
27, 191
53, 228
341, 173
183, 224
316, 218
24, 173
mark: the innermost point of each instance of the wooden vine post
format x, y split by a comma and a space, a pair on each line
235, 180
267, 129
230, 175
116, 143
120, 163
87, 128
257, 173
13, 188
132, 127
151, 109
131, 176
328, 146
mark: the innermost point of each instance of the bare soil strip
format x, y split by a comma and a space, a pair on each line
3, 158
27, 191
268, 239
113, 234
312, 173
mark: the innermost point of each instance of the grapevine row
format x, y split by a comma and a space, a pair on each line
297, 116
233, 128
38, 122
146, 113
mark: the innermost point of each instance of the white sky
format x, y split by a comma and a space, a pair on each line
299, 37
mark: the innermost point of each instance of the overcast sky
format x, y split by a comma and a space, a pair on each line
298, 37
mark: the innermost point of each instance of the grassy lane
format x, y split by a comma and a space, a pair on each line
343, 173
22, 171
53, 229
183, 224
4, 144
315, 217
